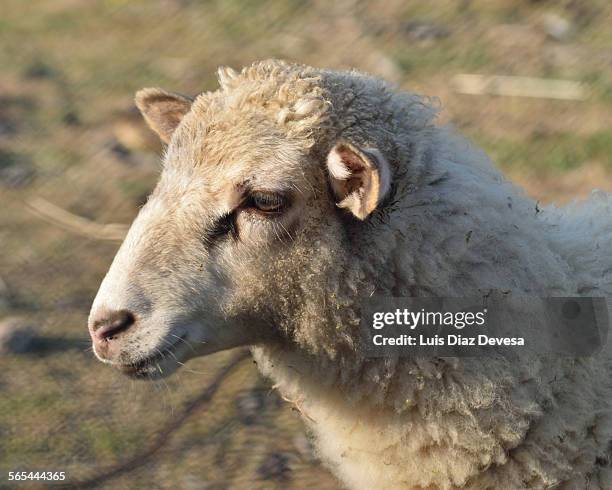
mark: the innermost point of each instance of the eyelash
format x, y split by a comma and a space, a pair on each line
266, 202
263, 203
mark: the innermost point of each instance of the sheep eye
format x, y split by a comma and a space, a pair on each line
267, 202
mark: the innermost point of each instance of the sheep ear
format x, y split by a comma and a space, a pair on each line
360, 178
162, 110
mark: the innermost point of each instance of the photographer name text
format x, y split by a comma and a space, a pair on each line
423, 319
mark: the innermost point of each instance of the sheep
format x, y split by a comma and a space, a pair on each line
290, 194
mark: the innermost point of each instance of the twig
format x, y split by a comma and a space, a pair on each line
77, 224
142, 457
518, 87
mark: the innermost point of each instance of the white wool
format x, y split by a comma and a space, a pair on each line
463, 423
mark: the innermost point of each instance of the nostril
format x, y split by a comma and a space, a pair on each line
113, 324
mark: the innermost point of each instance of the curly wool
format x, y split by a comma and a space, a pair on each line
428, 423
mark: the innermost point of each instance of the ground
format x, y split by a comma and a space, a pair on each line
69, 135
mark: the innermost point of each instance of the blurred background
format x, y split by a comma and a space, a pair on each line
76, 162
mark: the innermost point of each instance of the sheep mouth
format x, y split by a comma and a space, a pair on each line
152, 367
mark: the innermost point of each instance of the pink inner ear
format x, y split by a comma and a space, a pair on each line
352, 161
356, 166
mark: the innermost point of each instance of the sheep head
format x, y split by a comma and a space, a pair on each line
250, 232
